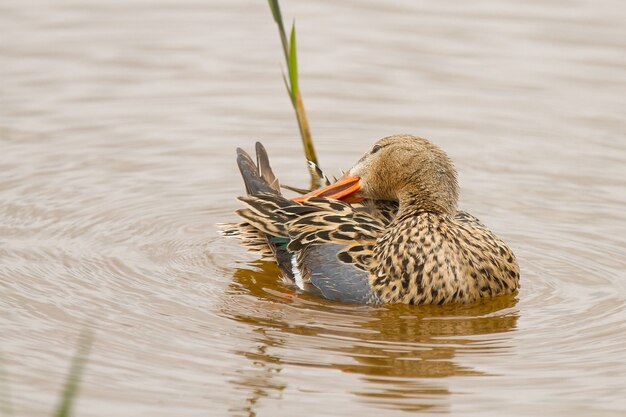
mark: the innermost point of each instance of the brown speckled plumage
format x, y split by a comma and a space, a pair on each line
406, 237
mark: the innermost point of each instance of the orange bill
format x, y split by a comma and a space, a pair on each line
343, 189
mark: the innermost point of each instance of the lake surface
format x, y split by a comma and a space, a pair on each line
118, 127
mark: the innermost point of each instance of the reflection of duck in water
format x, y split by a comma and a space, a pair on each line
401, 355
404, 242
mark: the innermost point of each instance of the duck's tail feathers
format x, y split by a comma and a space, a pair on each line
258, 178
264, 239
265, 170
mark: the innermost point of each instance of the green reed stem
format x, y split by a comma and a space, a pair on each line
72, 382
292, 85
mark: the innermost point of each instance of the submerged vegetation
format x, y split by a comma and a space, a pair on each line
293, 89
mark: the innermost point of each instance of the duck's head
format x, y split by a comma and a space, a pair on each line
402, 168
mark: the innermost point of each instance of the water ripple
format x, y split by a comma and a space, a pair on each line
118, 126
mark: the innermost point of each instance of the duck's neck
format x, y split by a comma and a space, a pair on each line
413, 204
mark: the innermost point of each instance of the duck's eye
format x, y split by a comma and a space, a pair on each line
376, 149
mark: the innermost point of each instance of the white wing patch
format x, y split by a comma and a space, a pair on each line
297, 276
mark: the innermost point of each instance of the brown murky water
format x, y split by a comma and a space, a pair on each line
118, 124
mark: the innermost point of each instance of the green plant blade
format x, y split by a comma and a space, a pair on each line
72, 382
278, 18
291, 96
293, 88
293, 64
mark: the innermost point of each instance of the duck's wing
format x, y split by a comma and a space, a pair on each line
325, 246
333, 279
331, 242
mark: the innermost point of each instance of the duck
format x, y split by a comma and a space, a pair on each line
388, 231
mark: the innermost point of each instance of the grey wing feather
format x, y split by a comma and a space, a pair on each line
334, 279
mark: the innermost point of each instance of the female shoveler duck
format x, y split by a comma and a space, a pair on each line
388, 231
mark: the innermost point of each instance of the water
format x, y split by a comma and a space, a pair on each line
118, 124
